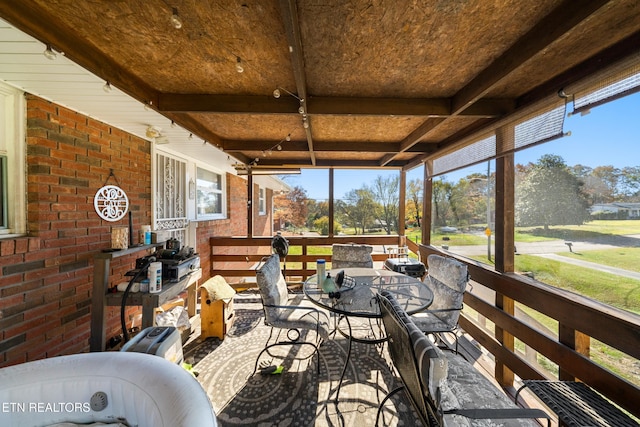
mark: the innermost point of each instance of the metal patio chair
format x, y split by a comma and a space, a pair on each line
282, 313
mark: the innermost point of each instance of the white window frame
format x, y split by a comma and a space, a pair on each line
222, 192
262, 202
13, 148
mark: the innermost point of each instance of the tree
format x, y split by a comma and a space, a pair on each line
321, 225
607, 178
550, 195
441, 196
386, 193
414, 204
357, 208
630, 183
292, 207
315, 210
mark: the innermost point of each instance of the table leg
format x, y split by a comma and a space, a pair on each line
346, 361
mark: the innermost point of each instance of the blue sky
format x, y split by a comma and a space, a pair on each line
608, 135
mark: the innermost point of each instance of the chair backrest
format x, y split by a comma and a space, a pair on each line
351, 255
272, 286
448, 280
421, 365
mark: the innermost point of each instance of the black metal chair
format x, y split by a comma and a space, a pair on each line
442, 384
448, 280
281, 313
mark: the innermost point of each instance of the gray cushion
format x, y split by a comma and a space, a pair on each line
447, 280
291, 314
351, 255
466, 388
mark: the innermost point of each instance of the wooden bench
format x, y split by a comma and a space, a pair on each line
577, 404
442, 386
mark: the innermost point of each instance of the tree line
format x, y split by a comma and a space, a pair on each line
548, 192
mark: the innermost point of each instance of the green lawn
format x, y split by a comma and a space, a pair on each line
591, 230
614, 290
625, 258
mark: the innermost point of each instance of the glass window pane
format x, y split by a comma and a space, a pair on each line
209, 195
463, 212
576, 208
367, 201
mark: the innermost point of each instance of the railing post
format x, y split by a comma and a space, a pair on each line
304, 260
576, 341
503, 374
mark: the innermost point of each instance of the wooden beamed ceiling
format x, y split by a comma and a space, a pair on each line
395, 82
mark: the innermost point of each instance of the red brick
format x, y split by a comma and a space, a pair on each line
7, 247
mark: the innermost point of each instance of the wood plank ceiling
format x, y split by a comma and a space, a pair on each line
364, 83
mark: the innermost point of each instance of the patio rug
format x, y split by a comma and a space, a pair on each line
300, 395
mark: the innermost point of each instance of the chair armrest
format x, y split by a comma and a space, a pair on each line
442, 310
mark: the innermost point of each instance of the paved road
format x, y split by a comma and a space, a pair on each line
550, 250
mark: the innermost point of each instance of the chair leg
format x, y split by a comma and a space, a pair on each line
387, 397
291, 342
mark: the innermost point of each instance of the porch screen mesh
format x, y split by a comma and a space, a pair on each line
541, 128
617, 81
471, 154
535, 128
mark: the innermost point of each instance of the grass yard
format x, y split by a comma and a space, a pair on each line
617, 291
625, 258
590, 231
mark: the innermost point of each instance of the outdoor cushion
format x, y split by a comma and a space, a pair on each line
447, 381
351, 255
279, 310
447, 279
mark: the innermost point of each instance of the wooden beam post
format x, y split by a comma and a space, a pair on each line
427, 191
402, 208
249, 205
331, 204
504, 239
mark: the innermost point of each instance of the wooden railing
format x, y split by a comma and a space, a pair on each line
579, 319
236, 257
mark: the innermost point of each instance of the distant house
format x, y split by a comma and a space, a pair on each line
616, 210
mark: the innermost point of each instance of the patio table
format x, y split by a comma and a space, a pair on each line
360, 300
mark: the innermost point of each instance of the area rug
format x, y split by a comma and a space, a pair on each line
300, 395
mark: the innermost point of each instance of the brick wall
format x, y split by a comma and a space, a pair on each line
262, 223
46, 279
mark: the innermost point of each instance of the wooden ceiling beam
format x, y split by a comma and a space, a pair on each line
257, 104
325, 163
322, 146
549, 29
413, 138
289, 11
249, 104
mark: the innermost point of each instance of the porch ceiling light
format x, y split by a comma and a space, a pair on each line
153, 131
175, 19
49, 53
